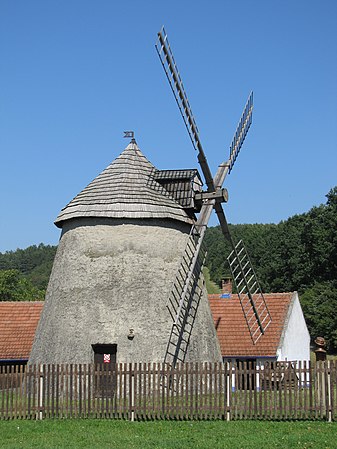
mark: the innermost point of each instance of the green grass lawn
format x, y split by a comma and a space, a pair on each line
166, 434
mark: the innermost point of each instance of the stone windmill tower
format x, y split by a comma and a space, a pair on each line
121, 245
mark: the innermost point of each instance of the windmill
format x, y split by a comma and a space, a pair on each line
126, 239
185, 295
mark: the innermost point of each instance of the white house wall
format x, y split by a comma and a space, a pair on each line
295, 340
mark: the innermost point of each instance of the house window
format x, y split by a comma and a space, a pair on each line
105, 358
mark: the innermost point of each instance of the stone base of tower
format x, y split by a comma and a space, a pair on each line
109, 285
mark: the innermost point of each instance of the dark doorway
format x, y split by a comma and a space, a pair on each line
101, 350
105, 358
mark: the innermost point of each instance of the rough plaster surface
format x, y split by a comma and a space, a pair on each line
110, 276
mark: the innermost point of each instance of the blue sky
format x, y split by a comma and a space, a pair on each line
75, 74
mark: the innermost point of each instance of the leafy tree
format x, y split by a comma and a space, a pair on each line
14, 287
34, 262
319, 305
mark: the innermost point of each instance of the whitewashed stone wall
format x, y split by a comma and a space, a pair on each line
110, 276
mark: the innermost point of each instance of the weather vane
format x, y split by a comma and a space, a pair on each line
129, 134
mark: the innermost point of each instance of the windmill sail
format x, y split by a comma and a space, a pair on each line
184, 299
251, 297
183, 306
241, 131
252, 301
167, 59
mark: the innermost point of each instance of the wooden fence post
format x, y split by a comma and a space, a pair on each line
40, 401
228, 383
131, 393
328, 379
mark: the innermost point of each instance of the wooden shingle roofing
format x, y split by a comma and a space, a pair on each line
125, 189
231, 327
18, 322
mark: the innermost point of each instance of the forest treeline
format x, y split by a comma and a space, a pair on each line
24, 273
299, 253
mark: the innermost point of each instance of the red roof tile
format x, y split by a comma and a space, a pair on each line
232, 329
18, 322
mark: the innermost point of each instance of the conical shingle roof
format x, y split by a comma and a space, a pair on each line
125, 189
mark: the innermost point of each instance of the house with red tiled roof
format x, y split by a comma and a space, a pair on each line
285, 339
18, 322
